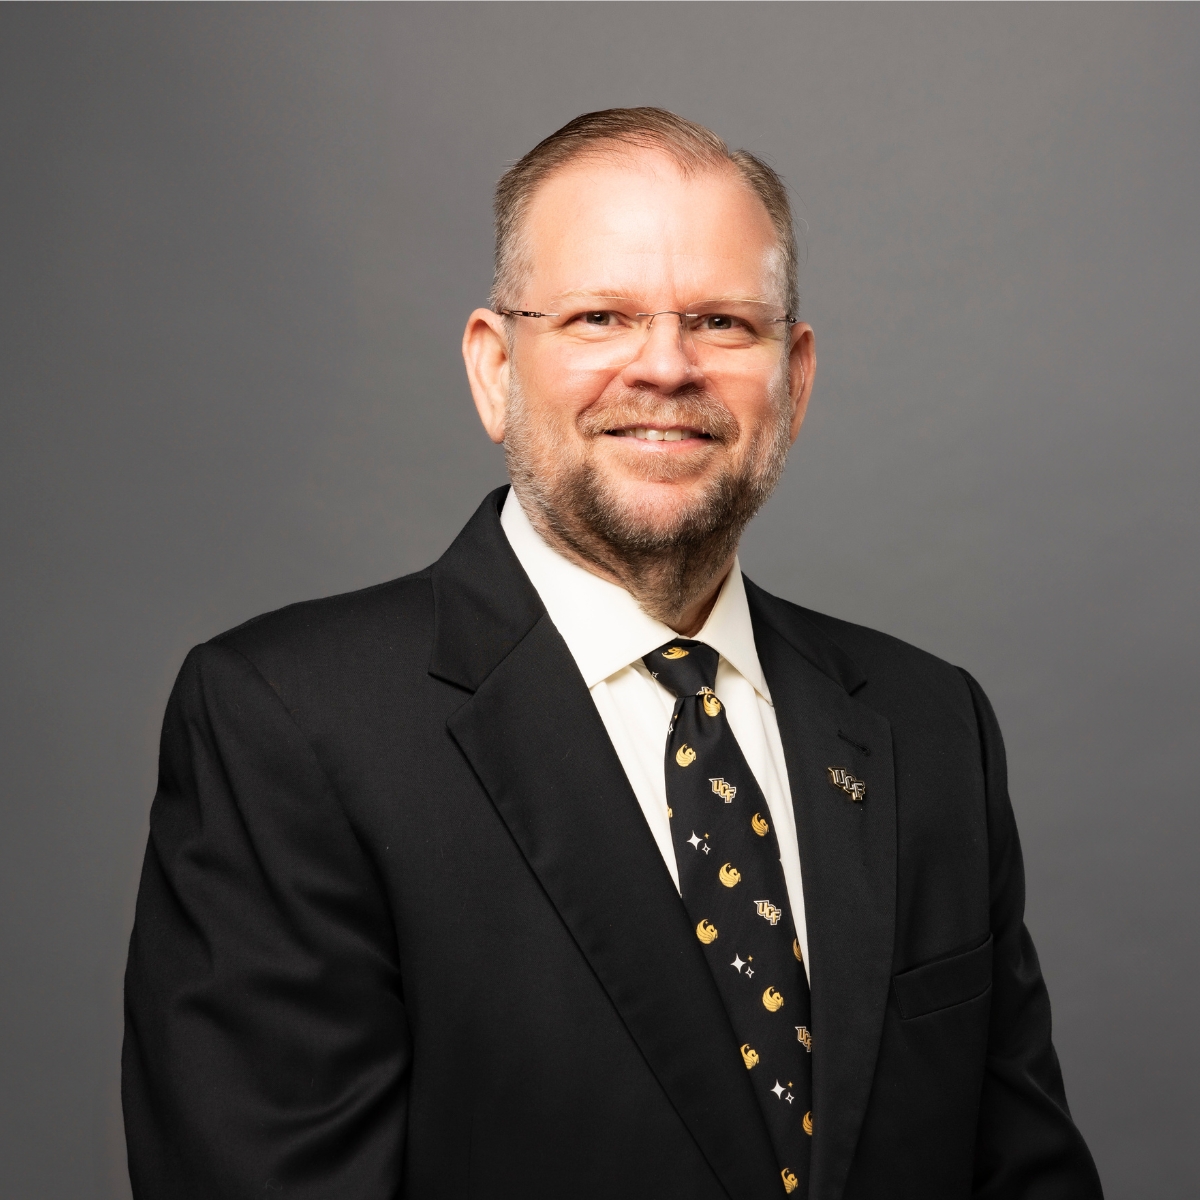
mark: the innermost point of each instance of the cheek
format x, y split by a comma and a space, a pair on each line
558, 392
753, 403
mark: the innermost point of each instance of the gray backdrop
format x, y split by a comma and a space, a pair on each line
237, 247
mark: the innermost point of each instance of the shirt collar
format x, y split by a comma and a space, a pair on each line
602, 624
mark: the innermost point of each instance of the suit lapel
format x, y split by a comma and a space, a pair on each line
536, 742
848, 861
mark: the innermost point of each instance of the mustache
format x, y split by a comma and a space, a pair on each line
697, 411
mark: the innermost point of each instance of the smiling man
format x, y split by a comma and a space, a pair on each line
577, 864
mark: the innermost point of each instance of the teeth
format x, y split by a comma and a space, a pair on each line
658, 435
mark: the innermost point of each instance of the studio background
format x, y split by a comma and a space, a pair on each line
238, 245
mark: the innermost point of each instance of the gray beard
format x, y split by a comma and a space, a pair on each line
666, 569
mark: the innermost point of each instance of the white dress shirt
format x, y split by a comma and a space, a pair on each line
607, 634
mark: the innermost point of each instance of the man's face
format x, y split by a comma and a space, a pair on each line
653, 425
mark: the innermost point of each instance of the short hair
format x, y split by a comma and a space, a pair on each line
693, 147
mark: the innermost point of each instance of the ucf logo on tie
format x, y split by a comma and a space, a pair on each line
725, 790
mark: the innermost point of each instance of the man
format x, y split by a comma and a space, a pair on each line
577, 864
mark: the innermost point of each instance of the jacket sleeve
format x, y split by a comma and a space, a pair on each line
266, 1048
1027, 1147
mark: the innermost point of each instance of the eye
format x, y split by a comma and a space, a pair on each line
599, 317
719, 322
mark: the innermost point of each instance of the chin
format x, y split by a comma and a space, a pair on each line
658, 509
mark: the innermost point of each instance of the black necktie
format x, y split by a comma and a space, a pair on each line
733, 888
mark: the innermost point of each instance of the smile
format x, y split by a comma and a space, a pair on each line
645, 433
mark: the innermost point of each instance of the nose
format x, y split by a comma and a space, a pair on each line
666, 361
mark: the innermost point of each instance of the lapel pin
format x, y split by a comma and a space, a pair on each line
854, 788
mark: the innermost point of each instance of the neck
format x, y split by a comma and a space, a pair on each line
691, 621
677, 589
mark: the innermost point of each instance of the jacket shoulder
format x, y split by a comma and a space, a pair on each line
352, 629
881, 654
876, 667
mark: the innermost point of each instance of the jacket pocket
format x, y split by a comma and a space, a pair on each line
944, 982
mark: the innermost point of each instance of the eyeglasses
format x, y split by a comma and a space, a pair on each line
619, 330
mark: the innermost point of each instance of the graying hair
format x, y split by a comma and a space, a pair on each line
693, 147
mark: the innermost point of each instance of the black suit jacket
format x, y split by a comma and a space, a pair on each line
403, 930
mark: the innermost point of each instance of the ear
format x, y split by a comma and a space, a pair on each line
485, 352
802, 370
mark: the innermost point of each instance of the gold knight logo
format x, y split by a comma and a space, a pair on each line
729, 875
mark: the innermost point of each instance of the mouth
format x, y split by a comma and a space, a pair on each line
653, 433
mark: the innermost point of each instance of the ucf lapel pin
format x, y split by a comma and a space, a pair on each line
854, 788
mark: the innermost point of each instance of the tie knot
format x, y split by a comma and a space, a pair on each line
683, 667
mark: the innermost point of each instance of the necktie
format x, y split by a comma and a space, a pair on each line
732, 885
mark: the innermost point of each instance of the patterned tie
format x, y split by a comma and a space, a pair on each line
732, 884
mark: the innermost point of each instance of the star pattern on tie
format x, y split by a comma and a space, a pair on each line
736, 899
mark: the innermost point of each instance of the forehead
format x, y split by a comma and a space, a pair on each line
632, 223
